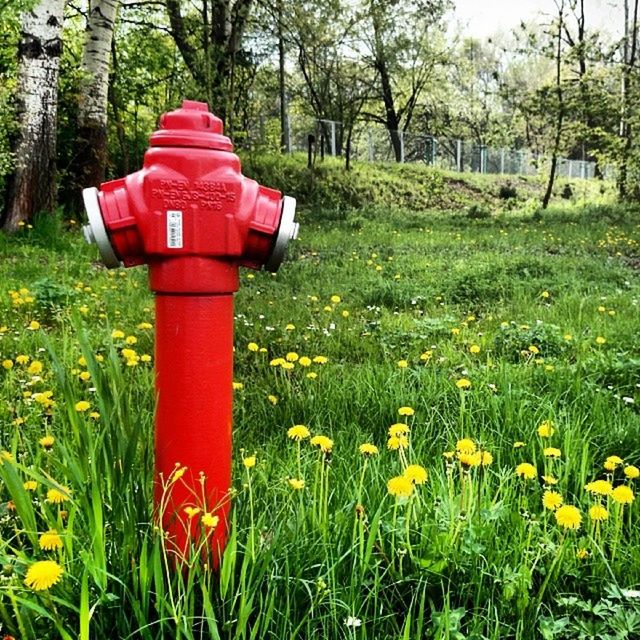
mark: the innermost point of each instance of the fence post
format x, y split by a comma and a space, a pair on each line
459, 155
582, 169
401, 136
502, 161
370, 145
333, 138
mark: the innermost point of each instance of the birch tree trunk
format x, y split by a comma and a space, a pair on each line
32, 186
91, 138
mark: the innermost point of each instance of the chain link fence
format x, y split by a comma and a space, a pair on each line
371, 143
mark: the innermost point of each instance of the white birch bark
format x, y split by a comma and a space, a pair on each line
32, 187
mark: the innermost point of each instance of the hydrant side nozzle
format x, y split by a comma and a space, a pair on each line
95, 231
288, 230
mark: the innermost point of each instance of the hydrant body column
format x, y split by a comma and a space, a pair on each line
192, 216
194, 375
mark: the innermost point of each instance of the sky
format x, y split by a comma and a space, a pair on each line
483, 18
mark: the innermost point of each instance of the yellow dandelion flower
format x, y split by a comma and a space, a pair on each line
600, 340
549, 480
131, 340
209, 520
545, 295
82, 406
623, 494
336, 299
116, 334
321, 359
7, 364
292, 356
84, 376
43, 575
598, 513
253, 346
486, 458
192, 511
35, 368
518, 445
400, 487
527, 471
449, 455
397, 442
533, 349
58, 496
398, 429
568, 517
30, 485
296, 483
416, 473
325, 444
474, 349
277, 362
237, 386
582, 553
455, 331
145, 325
34, 325
5, 455
249, 462
273, 399
287, 366
469, 460
632, 472
406, 411
466, 445
368, 449
298, 432
22, 359
552, 452
612, 462
312, 375
551, 500
599, 487
546, 429
402, 364
304, 361
50, 541
290, 327
145, 357
463, 383
46, 442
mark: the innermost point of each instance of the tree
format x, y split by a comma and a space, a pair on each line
32, 186
210, 40
91, 138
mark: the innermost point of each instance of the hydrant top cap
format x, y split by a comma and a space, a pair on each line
191, 126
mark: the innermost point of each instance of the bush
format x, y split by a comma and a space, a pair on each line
507, 191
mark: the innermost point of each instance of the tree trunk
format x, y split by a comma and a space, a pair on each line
32, 187
284, 142
91, 138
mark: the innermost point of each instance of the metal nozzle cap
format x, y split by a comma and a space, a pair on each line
95, 231
288, 230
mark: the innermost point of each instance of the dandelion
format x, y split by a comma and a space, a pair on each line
598, 513
474, 349
304, 361
533, 349
398, 429
296, 483
600, 340
368, 449
35, 368
466, 445
131, 340
527, 471
292, 356
210, 521
84, 376
116, 334
599, 487
287, 366
312, 375
321, 359
22, 359
253, 346
277, 362
192, 511
336, 299
612, 462
545, 295
582, 553
486, 458
402, 364
58, 496
549, 480
455, 331
623, 494
46, 442
298, 432
50, 541
551, 500
518, 445
632, 472
43, 575
469, 460
416, 473
569, 517
145, 325
325, 444
238, 386
272, 399
7, 364
30, 485
290, 327
249, 462
463, 383
400, 487
546, 429
394, 443
82, 406
406, 411
552, 452
34, 325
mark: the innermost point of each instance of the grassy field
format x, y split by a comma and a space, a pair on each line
459, 348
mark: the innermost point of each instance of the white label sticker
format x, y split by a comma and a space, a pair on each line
174, 229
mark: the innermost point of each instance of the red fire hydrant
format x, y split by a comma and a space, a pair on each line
192, 216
